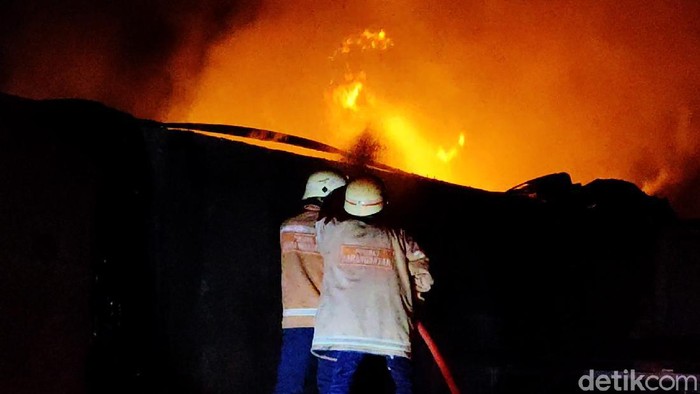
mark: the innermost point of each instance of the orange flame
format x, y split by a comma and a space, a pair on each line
447, 155
405, 142
570, 93
367, 40
346, 95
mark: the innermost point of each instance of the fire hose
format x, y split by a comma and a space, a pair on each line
439, 360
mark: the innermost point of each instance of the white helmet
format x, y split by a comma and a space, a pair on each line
364, 197
322, 183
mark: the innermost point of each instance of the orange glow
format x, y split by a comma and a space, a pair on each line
485, 95
598, 89
410, 148
346, 95
447, 155
367, 40
405, 143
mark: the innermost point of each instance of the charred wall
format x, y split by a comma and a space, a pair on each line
70, 182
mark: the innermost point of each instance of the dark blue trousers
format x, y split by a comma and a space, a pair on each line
335, 377
297, 366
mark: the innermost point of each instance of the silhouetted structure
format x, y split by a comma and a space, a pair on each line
138, 258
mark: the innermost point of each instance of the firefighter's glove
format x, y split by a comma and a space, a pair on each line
422, 279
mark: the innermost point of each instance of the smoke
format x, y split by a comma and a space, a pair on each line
133, 55
366, 150
599, 89
678, 163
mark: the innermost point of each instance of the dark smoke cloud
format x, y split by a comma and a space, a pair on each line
366, 149
132, 55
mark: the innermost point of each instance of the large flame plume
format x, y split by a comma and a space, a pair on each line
486, 94
354, 109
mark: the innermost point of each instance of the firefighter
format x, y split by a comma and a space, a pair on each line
372, 272
302, 272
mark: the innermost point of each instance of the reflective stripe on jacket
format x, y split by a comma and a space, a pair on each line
302, 269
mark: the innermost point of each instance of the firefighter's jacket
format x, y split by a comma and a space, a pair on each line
302, 269
367, 296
